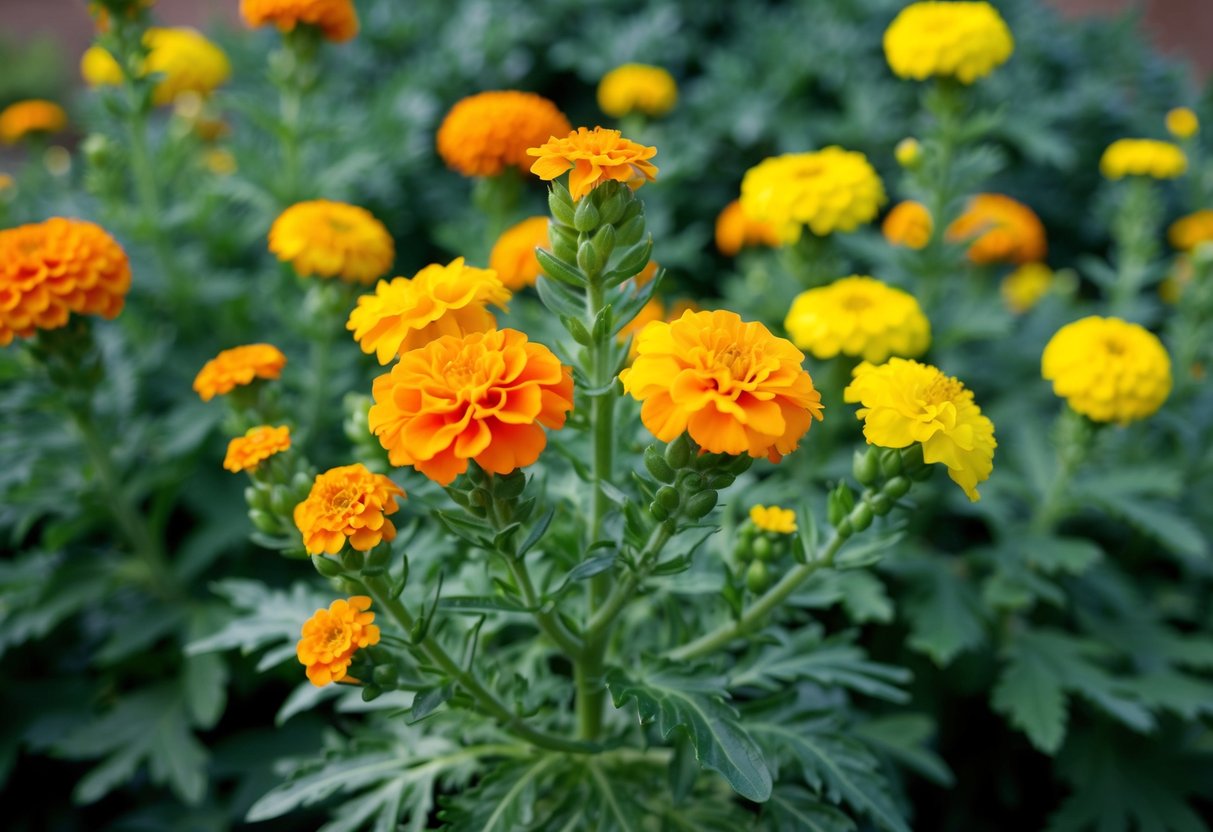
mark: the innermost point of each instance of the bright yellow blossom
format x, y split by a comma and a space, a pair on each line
332, 239
858, 316
593, 157
1182, 123
183, 59
637, 88
331, 637
773, 519
963, 40
1143, 157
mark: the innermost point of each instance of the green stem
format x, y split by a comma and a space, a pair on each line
625, 590
1134, 232
549, 623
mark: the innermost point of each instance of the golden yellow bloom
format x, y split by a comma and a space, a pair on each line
965, 41
484, 134
654, 310
1023, 288
908, 152
908, 224
237, 367
244, 453
483, 396
858, 316
735, 231
903, 402
1002, 230
1182, 123
827, 190
513, 255
774, 519
406, 314
1188, 232
1143, 157
184, 59
594, 156
332, 239
337, 20
637, 88
347, 503
51, 269
735, 387
26, 118
331, 638
1109, 370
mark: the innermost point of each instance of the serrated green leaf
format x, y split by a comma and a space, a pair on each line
794, 809
1030, 694
944, 614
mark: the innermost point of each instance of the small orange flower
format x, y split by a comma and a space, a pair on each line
909, 224
1002, 230
351, 503
336, 19
484, 134
331, 638
482, 396
735, 231
732, 385
1192, 230
244, 453
594, 156
513, 255
332, 239
27, 117
237, 367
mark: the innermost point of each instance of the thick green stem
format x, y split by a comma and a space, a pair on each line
1134, 232
549, 623
625, 590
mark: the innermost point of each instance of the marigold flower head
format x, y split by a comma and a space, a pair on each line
337, 20
25, 118
237, 367
184, 59
484, 396
1143, 157
405, 314
827, 190
908, 152
486, 133
347, 503
244, 453
594, 156
513, 255
903, 402
735, 387
637, 88
1109, 370
773, 519
654, 310
51, 269
965, 41
1002, 230
735, 231
1023, 288
1182, 123
1188, 232
908, 224
858, 316
331, 637
332, 239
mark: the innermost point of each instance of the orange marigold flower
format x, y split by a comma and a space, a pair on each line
244, 453
484, 134
1192, 230
654, 310
732, 385
1002, 230
735, 231
27, 117
237, 367
909, 224
482, 396
336, 19
332, 239
351, 503
513, 255
51, 269
331, 638
594, 156
405, 314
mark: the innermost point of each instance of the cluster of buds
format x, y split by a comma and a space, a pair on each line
604, 235
690, 481
275, 487
763, 541
887, 475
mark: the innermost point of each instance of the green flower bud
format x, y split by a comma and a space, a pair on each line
658, 511
757, 577
678, 452
380, 654
586, 216
743, 552
282, 501
739, 465
559, 269
655, 462
844, 528
890, 462
371, 692
611, 209
865, 466
720, 481
564, 242
668, 497
633, 260
384, 676
861, 517
588, 260
480, 497
352, 560
510, 486
377, 561
897, 487
577, 329
701, 505
252, 496
630, 232
560, 203
603, 242
327, 567
706, 462
263, 521
882, 504
762, 548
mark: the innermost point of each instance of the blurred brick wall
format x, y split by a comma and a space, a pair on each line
1180, 28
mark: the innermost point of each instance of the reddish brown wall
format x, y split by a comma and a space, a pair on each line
1181, 28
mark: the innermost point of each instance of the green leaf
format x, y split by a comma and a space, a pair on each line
1030, 694
795, 809
536, 533
270, 616
476, 604
944, 613
904, 737
503, 801
1071, 555
1152, 518
588, 568
428, 701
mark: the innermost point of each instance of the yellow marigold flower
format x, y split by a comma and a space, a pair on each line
482, 396
858, 316
337, 20
1109, 370
237, 367
347, 503
1143, 157
654, 310
965, 41
827, 190
1002, 230
484, 134
331, 638
244, 453
908, 224
1186, 233
735, 387
774, 519
332, 239
1023, 288
51, 269
908, 153
26, 118
1182, 123
513, 255
406, 314
594, 156
637, 88
184, 59
903, 402
735, 231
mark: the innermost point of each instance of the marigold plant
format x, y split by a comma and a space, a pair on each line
237, 367
259, 443
1182, 123
331, 637
1191, 230
858, 316
961, 40
1143, 157
637, 88
773, 519
1023, 288
332, 239
337, 20
735, 231
487, 133
182, 60
347, 504
513, 255
908, 224
32, 117
999, 229
593, 157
